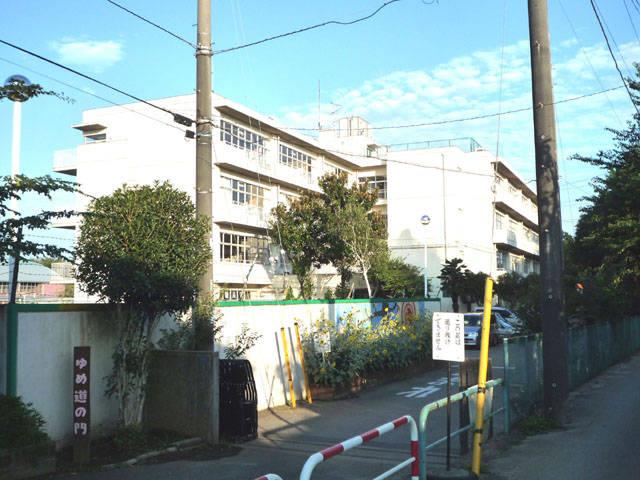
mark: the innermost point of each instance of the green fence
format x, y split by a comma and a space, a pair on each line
522, 374
592, 349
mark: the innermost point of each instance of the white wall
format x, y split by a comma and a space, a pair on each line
267, 357
45, 366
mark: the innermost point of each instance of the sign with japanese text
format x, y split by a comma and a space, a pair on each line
447, 336
81, 402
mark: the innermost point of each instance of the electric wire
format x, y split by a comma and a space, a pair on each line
588, 60
464, 119
613, 57
99, 97
95, 80
305, 29
144, 19
633, 25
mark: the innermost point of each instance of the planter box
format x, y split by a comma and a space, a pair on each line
370, 380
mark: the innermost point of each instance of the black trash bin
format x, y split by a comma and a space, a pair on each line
238, 401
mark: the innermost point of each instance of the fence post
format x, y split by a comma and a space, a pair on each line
506, 385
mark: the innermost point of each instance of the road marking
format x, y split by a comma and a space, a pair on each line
431, 388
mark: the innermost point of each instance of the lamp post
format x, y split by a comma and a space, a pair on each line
17, 97
425, 220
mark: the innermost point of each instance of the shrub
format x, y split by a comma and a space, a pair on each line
130, 439
21, 425
358, 349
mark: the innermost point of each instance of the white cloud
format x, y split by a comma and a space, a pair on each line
486, 82
97, 55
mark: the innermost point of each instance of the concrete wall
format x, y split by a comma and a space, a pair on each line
183, 393
43, 362
267, 318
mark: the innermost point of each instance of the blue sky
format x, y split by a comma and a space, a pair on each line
414, 62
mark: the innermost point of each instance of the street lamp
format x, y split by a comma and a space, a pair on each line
425, 220
17, 96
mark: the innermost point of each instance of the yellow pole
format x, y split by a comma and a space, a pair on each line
482, 377
307, 390
285, 349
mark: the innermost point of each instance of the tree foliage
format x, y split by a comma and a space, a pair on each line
452, 279
300, 229
26, 92
392, 277
15, 225
144, 249
336, 226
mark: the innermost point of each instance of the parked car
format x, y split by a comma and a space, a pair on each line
509, 315
473, 327
500, 328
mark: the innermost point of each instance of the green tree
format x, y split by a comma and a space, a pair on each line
522, 294
356, 233
607, 239
473, 288
143, 249
14, 225
300, 229
394, 278
453, 280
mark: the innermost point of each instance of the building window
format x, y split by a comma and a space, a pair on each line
527, 266
376, 182
241, 138
95, 137
243, 193
295, 159
501, 260
499, 221
236, 294
239, 248
336, 170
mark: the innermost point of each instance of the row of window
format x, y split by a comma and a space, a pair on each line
513, 227
376, 182
241, 138
241, 248
244, 193
513, 190
295, 159
515, 263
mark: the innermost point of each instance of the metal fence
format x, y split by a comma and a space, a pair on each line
592, 349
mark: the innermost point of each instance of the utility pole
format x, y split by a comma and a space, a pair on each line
204, 157
554, 327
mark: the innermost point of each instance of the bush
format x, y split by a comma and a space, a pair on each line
21, 425
358, 349
130, 439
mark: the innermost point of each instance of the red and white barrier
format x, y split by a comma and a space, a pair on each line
269, 476
317, 458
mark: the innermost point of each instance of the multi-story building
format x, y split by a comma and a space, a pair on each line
256, 164
480, 209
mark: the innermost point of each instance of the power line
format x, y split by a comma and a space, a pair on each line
172, 125
176, 116
606, 38
633, 25
144, 19
464, 119
305, 29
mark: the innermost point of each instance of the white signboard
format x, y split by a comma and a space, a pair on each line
447, 336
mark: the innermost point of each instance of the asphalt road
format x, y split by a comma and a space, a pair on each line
287, 437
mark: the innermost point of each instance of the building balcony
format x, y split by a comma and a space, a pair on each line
225, 211
513, 202
66, 161
515, 242
262, 164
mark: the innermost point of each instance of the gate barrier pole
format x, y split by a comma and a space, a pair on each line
317, 458
424, 416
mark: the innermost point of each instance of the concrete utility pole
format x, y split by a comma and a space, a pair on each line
204, 157
554, 326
